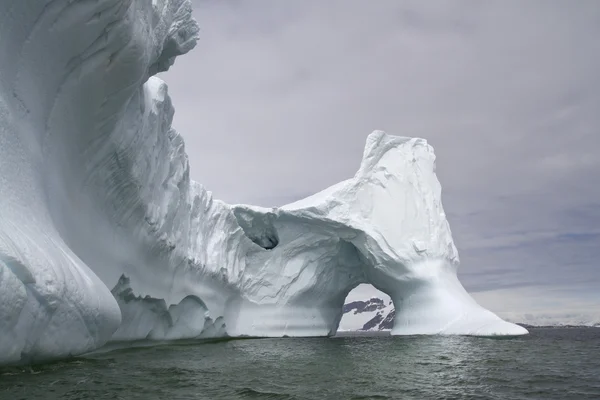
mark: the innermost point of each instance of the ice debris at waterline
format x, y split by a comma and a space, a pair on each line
95, 184
150, 318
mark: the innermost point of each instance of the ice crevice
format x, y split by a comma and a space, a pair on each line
103, 236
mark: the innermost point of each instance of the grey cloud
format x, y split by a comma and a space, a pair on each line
278, 97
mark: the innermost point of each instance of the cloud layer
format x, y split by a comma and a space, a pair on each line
278, 97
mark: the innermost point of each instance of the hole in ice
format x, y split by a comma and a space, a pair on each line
258, 227
367, 309
266, 241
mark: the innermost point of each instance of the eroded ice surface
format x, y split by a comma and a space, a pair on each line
94, 184
147, 318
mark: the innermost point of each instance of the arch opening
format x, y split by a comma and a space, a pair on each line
367, 309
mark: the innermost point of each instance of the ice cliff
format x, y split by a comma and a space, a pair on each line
95, 194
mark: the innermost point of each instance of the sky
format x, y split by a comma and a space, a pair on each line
278, 97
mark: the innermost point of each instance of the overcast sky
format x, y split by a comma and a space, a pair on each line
276, 101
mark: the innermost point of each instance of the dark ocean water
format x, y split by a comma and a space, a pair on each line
548, 364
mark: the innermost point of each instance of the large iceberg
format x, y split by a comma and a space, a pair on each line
95, 194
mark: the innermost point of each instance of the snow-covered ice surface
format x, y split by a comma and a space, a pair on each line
94, 185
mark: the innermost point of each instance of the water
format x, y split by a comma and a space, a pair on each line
548, 364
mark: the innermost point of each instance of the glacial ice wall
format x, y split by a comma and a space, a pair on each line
95, 188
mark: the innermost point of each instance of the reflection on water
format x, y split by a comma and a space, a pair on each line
548, 364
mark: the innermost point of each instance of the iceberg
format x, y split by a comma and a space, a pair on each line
95, 194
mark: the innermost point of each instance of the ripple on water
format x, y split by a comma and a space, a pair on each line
548, 364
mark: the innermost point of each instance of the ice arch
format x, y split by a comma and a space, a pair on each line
94, 184
385, 226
